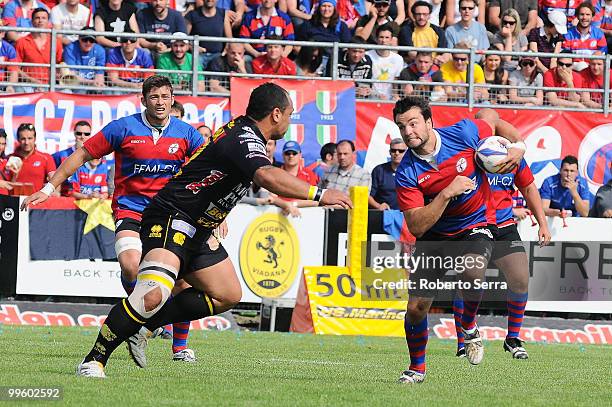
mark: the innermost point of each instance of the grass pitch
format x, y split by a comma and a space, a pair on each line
253, 368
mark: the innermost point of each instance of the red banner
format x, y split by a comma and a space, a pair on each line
549, 135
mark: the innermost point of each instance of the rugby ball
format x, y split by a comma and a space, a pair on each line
490, 152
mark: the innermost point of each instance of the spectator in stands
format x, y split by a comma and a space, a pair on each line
455, 71
526, 9
606, 22
593, 78
115, 16
510, 38
454, 13
467, 30
37, 166
36, 48
177, 110
602, 204
273, 62
18, 13
71, 15
495, 74
90, 180
235, 9
299, 11
423, 70
205, 131
563, 77
82, 132
548, 38
382, 194
159, 19
308, 62
585, 38
293, 164
9, 73
325, 26
329, 157
386, 65
129, 56
3, 138
209, 20
567, 193
567, 7
179, 59
523, 82
85, 52
264, 22
233, 60
378, 16
346, 173
422, 33
355, 64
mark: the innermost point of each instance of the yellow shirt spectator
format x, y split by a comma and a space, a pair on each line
452, 75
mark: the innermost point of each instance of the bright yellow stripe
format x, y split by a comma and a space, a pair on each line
167, 228
130, 313
155, 277
210, 305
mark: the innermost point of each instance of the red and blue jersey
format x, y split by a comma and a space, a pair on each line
567, 7
279, 24
595, 40
419, 180
143, 162
502, 191
59, 157
606, 19
15, 15
88, 179
140, 60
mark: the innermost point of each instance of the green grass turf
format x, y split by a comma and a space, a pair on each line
253, 368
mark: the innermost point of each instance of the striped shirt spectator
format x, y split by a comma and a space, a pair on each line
18, 13
585, 38
128, 56
265, 22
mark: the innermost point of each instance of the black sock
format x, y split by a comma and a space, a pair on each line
190, 304
119, 325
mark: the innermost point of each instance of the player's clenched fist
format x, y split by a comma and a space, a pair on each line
335, 197
459, 185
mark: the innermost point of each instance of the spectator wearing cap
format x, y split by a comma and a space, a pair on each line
71, 15
325, 26
36, 48
584, 38
382, 194
548, 38
421, 33
37, 167
524, 81
423, 70
18, 13
179, 59
86, 53
127, 55
563, 76
117, 16
386, 65
346, 173
467, 29
232, 60
567, 193
593, 78
264, 22
526, 9
209, 20
355, 64
8, 73
273, 62
377, 16
158, 18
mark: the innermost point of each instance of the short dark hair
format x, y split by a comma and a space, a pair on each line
26, 126
420, 4
179, 107
265, 98
569, 159
203, 125
384, 27
82, 123
358, 40
156, 81
3, 133
407, 103
586, 4
349, 142
328, 148
39, 10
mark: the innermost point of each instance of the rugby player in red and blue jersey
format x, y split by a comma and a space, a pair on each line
444, 195
150, 147
509, 254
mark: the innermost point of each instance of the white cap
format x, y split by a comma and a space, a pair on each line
179, 36
559, 19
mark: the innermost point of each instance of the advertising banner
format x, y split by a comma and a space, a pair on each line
9, 243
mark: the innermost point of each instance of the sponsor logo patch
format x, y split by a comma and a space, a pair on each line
182, 226
210, 179
156, 231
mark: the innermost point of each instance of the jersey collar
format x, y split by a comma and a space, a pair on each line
157, 133
431, 158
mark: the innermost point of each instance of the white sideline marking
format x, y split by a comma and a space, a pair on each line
314, 362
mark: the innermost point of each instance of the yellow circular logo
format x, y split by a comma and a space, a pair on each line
269, 255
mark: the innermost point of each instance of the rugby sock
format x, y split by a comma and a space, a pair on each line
471, 301
516, 311
121, 323
128, 286
180, 332
189, 305
458, 313
416, 338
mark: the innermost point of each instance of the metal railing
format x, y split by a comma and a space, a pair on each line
192, 86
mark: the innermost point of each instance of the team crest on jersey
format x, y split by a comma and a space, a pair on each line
178, 238
98, 179
156, 231
461, 164
210, 179
173, 148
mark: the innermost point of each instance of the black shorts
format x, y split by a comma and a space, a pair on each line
507, 241
176, 233
127, 224
440, 254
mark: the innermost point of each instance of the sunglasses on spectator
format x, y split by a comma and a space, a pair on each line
81, 133
396, 150
25, 126
508, 22
381, 4
527, 63
568, 65
464, 8
88, 39
130, 40
290, 153
460, 59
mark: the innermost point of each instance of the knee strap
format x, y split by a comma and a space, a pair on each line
152, 275
127, 243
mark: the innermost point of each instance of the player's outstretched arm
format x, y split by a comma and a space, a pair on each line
65, 170
281, 183
534, 203
516, 148
420, 220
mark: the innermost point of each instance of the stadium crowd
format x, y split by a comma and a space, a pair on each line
557, 26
